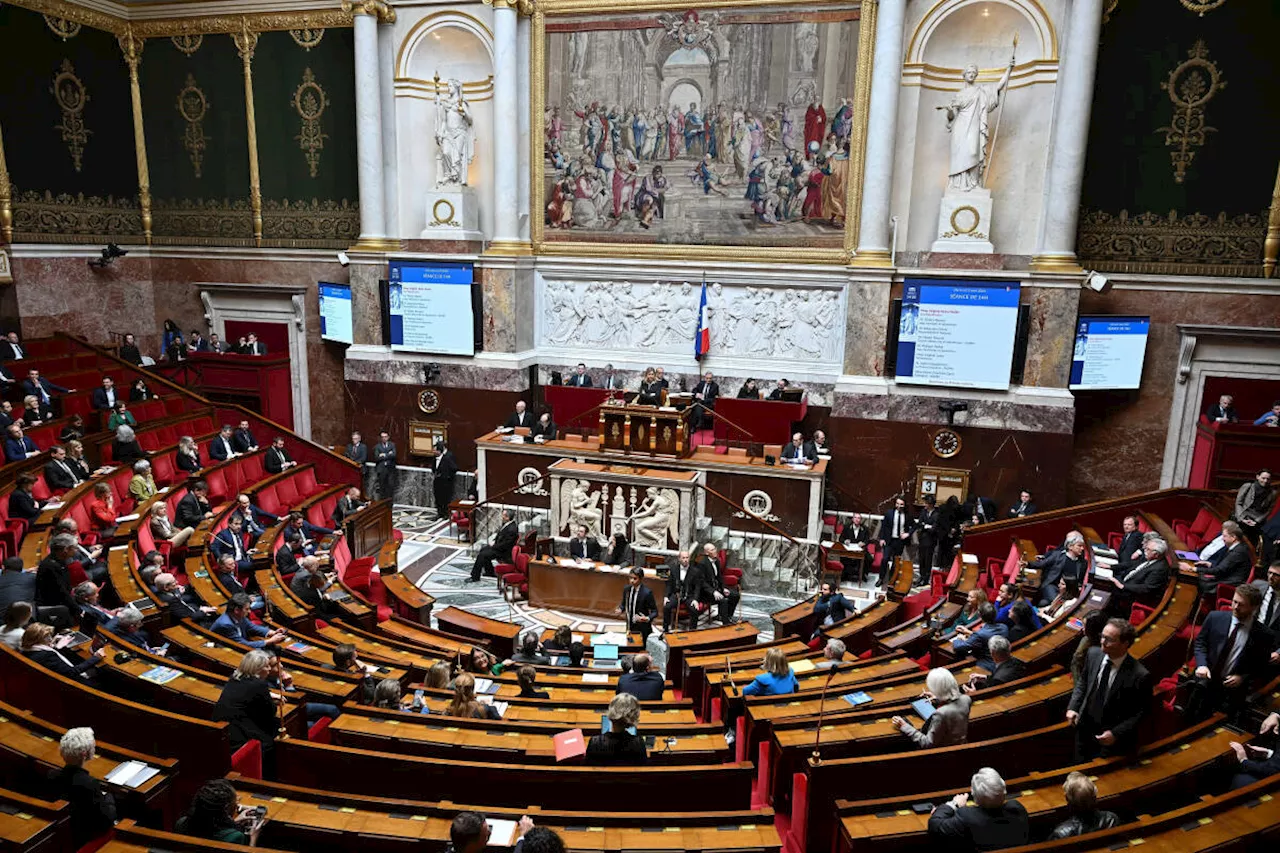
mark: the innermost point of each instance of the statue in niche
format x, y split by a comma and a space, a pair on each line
577, 52
968, 124
806, 45
455, 136
579, 507
657, 518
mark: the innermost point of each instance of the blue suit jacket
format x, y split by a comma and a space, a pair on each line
1213, 635
224, 543
243, 631
15, 450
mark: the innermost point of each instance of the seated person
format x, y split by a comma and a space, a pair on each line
230, 543
142, 485
36, 411
102, 510
312, 594
216, 815
187, 458
1022, 622
799, 450
224, 570
819, 442
17, 616
1005, 667
650, 389
620, 553
349, 504
749, 390
38, 386
37, 644
90, 559
1271, 417
163, 530
778, 677
621, 744
994, 821
949, 723
642, 682
970, 616
387, 694
17, 446
73, 430
125, 450
92, 808
528, 677
577, 651
253, 518
234, 624
830, 607
279, 679
528, 651
129, 350
180, 605
778, 389
244, 440
308, 532
128, 627
1223, 411
1068, 595
1067, 561
120, 414
584, 547
92, 612
545, 428
519, 418
1256, 762
277, 458
1009, 595
560, 641
1023, 507
222, 448
139, 392
976, 642
1229, 564
1083, 814
58, 475
464, 702
1144, 580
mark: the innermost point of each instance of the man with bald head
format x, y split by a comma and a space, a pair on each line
519, 418
642, 682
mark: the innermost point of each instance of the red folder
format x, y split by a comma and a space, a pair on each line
570, 744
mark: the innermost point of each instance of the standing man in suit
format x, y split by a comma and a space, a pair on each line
704, 395
1023, 507
41, 388
357, 451
1231, 650
895, 532
610, 381
11, 349
1223, 411
277, 459
384, 465
799, 450
222, 448
243, 440
446, 468
519, 418
1110, 696
1229, 564
713, 573
580, 379
1269, 608
253, 346
104, 398
677, 572
1253, 504
500, 549
583, 547
230, 542
638, 606
927, 539
1130, 553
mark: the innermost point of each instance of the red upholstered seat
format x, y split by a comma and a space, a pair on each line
252, 470
41, 491
219, 491
462, 522
359, 573
287, 491
247, 760
269, 500
515, 573
305, 483
163, 470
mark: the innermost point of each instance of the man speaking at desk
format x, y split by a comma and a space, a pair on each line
583, 547
638, 606
799, 451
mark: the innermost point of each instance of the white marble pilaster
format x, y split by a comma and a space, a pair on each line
387, 105
369, 128
506, 142
1057, 246
524, 29
882, 122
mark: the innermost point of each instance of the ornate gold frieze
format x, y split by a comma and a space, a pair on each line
1201, 6
188, 43
64, 218
164, 28
1191, 85
314, 223
193, 106
1192, 244
309, 101
374, 8
307, 38
63, 28
71, 96
204, 222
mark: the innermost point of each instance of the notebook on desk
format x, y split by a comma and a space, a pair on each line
923, 708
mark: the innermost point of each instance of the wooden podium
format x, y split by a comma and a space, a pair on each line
645, 430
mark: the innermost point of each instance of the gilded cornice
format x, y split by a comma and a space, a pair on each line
373, 8
163, 28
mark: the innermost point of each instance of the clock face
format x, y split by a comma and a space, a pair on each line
946, 443
429, 401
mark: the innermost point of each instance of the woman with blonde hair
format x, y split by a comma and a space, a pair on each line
464, 702
248, 708
949, 723
621, 744
438, 676
187, 457
969, 614
777, 678
387, 694
162, 527
34, 413
75, 458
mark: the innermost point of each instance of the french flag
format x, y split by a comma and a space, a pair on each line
702, 338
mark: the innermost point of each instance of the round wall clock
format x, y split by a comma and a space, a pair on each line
945, 443
428, 401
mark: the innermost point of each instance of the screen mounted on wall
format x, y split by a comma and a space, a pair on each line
957, 333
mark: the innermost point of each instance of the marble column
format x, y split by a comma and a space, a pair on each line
506, 127
882, 123
1058, 219
373, 224
387, 107
524, 27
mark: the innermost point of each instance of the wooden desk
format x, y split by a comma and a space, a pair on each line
30, 825
562, 584
368, 529
638, 430
681, 643
797, 620
413, 602
499, 636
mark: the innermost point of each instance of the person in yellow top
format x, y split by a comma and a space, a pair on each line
142, 485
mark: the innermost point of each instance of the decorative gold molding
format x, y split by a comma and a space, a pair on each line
374, 8
554, 8
131, 48
307, 38
310, 101
1056, 265
315, 224
192, 105
188, 43
509, 248
1192, 244
63, 28
868, 15
246, 42
1201, 6
205, 24
1191, 86
46, 218
6, 197
537, 101
1270, 246
203, 222
70, 94
502, 4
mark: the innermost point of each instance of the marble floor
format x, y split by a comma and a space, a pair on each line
440, 565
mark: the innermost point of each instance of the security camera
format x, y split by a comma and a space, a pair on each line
950, 407
343, 259
108, 257
430, 372
1097, 282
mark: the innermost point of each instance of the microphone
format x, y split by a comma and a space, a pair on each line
816, 758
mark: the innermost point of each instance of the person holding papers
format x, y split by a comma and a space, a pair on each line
619, 745
799, 451
946, 713
638, 605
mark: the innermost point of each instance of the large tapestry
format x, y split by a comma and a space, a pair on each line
700, 128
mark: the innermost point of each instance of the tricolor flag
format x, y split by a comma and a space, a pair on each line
702, 338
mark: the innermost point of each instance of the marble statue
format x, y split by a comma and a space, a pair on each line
969, 126
581, 508
455, 136
806, 45
657, 518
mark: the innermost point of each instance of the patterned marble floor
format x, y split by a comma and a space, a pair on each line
440, 565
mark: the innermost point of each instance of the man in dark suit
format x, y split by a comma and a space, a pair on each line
1145, 581
705, 394
927, 537
642, 682
1023, 507
357, 451
196, 342
639, 608
58, 475
217, 345
799, 450
1255, 762
677, 570
222, 448
230, 540
1231, 651
1110, 696
243, 440
831, 606
994, 822
297, 525
610, 381
895, 532
713, 574
181, 606
53, 580
1269, 607
980, 510
253, 518
104, 399
277, 459
11, 349
194, 506
348, 504
1067, 561
1004, 667
384, 465
1130, 553
129, 350
19, 585
42, 389
253, 346
1223, 411
579, 378
519, 418
545, 428
583, 547
445, 470
776, 393
1230, 564
500, 550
